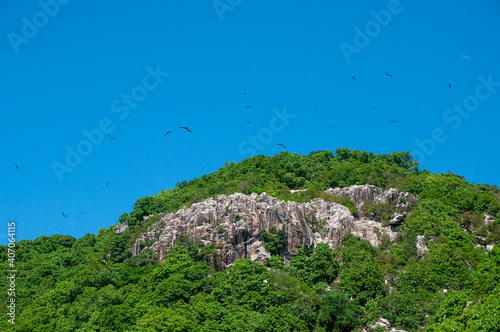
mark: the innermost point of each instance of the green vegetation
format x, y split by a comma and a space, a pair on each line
94, 283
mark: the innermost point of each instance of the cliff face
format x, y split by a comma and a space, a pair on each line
236, 222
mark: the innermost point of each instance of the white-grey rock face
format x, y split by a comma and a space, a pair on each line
236, 223
421, 247
120, 228
359, 195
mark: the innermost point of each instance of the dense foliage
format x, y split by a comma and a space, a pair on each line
93, 283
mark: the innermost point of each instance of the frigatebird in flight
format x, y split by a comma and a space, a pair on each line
449, 85
64, 215
353, 77
109, 135
393, 121
168, 132
387, 74
186, 129
112, 139
281, 145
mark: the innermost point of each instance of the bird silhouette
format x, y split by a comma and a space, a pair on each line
449, 85
186, 129
248, 106
82, 212
248, 122
281, 145
387, 74
374, 107
17, 167
107, 184
168, 132
244, 93
392, 121
109, 135
353, 78
64, 215
112, 139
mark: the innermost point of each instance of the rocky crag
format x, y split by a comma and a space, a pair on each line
237, 222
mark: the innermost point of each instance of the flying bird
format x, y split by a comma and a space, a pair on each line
449, 85
107, 184
465, 56
82, 212
112, 139
248, 122
248, 106
109, 135
17, 167
281, 145
244, 93
353, 77
387, 74
393, 121
374, 107
64, 215
168, 132
186, 129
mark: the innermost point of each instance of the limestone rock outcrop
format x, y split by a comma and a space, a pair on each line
236, 223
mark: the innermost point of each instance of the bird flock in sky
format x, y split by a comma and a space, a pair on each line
248, 122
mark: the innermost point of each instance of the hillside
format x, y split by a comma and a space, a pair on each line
339, 241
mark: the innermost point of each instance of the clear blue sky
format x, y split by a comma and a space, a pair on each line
62, 75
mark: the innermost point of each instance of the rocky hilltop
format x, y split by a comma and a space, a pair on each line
237, 222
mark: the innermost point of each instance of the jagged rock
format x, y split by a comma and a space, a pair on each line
367, 193
236, 223
382, 322
396, 219
120, 228
421, 247
488, 220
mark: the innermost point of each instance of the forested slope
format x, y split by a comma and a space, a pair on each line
94, 284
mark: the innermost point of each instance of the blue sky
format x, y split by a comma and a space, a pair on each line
69, 69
